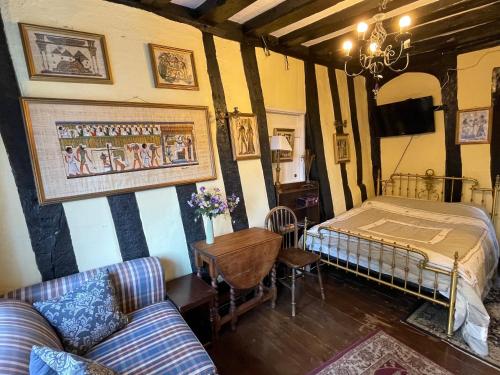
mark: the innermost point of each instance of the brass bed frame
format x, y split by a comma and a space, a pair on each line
428, 186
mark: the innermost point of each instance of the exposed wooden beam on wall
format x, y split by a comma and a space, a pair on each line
285, 14
217, 11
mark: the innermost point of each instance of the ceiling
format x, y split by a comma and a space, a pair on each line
316, 29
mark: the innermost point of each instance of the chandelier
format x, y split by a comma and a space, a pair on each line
374, 53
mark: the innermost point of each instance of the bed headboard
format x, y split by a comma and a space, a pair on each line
429, 186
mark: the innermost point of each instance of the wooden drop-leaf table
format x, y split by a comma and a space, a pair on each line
243, 259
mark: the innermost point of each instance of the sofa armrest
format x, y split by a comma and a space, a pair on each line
21, 327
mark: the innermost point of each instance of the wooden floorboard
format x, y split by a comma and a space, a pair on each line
272, 342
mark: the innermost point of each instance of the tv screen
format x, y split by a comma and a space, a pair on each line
409, 117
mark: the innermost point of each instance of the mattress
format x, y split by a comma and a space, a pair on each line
437, 229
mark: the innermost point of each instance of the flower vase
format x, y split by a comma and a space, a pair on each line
209, 230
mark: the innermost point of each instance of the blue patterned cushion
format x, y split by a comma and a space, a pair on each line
48, 361
86, 315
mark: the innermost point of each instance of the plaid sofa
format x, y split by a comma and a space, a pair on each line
156, 340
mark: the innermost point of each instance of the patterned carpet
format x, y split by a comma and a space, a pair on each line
432, 319
379, 354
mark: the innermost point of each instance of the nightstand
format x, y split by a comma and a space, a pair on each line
188, 293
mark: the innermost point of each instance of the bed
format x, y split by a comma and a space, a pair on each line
430, 236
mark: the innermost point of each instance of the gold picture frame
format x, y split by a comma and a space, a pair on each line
85, 148
285, 156
471, 124
54, 54
341, 148
244, 135
173, 68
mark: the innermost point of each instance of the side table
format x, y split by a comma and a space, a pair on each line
189, 292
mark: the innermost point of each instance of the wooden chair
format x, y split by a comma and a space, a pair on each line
282, 220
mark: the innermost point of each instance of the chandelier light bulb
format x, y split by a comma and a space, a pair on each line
404, 22
362, 27
373, 47
347, 46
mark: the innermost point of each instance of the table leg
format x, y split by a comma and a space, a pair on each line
215, 307
234, 316
274, 291
212, 321
198, 263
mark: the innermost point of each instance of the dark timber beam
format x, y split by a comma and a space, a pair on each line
218, 11
337, 21
434, 20
228, 30
285, 14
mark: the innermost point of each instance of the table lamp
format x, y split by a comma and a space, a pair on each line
279, 143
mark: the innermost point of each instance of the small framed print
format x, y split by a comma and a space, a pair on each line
474, 126
173, 68
342, 150
285, 156
54, 54
244, 136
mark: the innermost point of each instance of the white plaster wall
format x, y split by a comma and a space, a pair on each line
426, 150
328, 130
237, 95
127, 31
17, 260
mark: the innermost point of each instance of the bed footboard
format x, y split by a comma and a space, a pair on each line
401, 267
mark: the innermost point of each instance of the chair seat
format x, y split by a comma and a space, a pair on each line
294, 257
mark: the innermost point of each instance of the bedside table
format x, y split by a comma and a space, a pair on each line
189, 292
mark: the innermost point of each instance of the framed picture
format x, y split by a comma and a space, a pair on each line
83, 148
285, 156
342, 149
473, 126
173, 68
65, 55
244, 136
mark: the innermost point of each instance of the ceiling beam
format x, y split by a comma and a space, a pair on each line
338, 21
285, 14
427, 19
218, 11
228, 30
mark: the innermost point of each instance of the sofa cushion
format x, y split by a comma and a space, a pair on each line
48, 361
86, 315
21, 327
157, 340
139, 282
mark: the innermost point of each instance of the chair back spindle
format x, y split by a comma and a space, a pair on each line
282, 220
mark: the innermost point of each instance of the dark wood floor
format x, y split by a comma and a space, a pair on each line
272, 342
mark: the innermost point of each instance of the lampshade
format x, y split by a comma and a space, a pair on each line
280, 143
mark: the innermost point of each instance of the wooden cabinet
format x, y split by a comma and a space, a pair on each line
302, 198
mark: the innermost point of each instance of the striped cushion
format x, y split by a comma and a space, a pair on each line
138, 282
156, 341
21, 327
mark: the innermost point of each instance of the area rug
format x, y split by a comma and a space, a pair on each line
379, 354
432, 319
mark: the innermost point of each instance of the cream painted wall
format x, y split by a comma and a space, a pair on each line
364, 133
15, 247
282, 89
474, 90
237, 95
127, 32
328, 130
419, 156
346, 115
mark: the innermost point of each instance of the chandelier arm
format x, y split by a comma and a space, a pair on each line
394, 60
351, 74
402, 69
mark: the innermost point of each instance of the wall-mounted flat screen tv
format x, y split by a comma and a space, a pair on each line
409, 117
